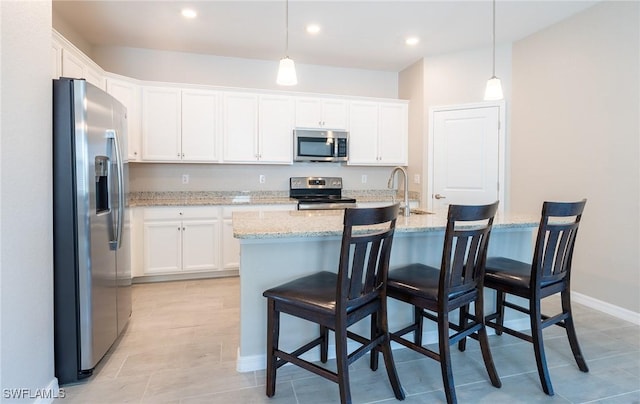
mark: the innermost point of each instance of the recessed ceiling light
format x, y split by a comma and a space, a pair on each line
413, 40
189, 13
313, 28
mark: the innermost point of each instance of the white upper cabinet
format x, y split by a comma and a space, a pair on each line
180, 125
275, 129
363, 147
200, 125
240, 123
129, 95
203, 124
161, 124
321, 113
257, 128
393, 134
74, 66
378, 133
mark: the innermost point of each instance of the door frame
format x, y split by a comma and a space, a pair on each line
502, 157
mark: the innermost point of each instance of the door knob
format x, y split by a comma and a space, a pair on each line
438, 196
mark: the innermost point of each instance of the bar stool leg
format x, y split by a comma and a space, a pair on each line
538, 345
500, 297
418, 321
464, 310
571, 331
375, 327
324, 345
342, 363
445, 357
483, 339
273, 327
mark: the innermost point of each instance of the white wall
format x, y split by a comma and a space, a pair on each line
179, 67
63, 27
411, 87
26, 263
448, 79
460, 78
576, 133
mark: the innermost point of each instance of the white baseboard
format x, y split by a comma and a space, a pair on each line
185, 276
607, 308
48, 394
250, 363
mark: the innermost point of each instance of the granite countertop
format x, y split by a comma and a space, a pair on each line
200, 198
319, 223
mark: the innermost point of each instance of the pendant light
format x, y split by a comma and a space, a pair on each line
494, 88
287, 70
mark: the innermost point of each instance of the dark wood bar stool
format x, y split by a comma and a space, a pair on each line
435, 293
548, 274
336, 301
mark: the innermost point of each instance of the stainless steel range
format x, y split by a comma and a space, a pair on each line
319, 193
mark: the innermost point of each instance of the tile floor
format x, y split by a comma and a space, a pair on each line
180, 347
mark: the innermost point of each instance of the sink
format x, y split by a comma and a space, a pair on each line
415, 211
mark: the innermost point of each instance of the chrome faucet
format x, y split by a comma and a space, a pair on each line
391, 185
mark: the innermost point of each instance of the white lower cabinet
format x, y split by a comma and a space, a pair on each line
190, 239
180, 239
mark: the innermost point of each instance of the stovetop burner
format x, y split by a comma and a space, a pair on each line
319, 193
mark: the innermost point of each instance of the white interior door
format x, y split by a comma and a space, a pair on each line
466, 156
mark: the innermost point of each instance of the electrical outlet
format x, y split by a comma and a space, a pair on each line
262, 179
185, 178
364, 178
416, 178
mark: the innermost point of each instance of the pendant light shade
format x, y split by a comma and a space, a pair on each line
287, 70
494, 87
494, 90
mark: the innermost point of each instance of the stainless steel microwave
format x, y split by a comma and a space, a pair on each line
320, 145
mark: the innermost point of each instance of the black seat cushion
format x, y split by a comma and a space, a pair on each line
505, 271
314, 292
417, 280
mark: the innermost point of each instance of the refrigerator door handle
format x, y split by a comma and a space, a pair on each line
115, 244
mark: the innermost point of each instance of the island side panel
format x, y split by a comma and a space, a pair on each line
265, 263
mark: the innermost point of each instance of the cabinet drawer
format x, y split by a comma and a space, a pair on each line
181, 212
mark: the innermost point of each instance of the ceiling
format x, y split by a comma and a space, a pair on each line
355, 34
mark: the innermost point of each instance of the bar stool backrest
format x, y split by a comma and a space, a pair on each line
555, 242
364, 255
465, 249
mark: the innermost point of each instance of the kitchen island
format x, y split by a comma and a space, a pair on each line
276, 247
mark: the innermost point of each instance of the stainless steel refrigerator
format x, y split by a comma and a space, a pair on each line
92, 270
